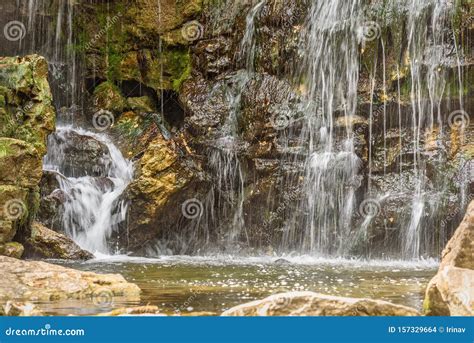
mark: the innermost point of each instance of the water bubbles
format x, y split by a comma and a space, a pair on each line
14, 31
192, 208
14, 209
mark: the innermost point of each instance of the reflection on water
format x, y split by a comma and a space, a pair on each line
188, 285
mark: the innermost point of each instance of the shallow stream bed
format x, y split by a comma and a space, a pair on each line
208, 286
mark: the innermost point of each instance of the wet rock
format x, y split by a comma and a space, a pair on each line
52, 199
156, 194
451, 291
40, 281
269, 105
214, 56
205, 103
80, 155
314, 304
46, 243
281, 261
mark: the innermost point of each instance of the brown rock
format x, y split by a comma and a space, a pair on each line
451, 291
12, 249
314, 304
40, 281
46, 243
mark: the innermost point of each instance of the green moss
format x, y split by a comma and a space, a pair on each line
180, 66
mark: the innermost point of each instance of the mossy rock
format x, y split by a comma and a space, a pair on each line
26, 110
107, 96
20, 163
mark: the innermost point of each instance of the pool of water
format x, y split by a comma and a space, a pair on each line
209, 286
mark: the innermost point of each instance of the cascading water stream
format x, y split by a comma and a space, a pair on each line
94, 206
332, 44
330, 75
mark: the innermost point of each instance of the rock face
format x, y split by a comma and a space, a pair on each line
451, 291
46, 243
314, 304
132, 54
26, 118
163, 183
40, 281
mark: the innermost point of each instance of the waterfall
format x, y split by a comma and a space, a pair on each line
328, 221
330, 76
94, 206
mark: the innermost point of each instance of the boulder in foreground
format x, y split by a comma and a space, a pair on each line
315, 304
451, 291
41, 281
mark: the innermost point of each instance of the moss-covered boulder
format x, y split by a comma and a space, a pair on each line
26, 109
107, 96
27, 117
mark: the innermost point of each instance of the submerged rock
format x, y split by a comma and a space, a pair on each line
46, 243
133, 311
20, 309
314, 304
41, 281
451, 291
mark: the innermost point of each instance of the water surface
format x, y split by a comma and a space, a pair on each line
209, 286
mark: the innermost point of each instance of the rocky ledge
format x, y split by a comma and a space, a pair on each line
40, 281
315, 304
